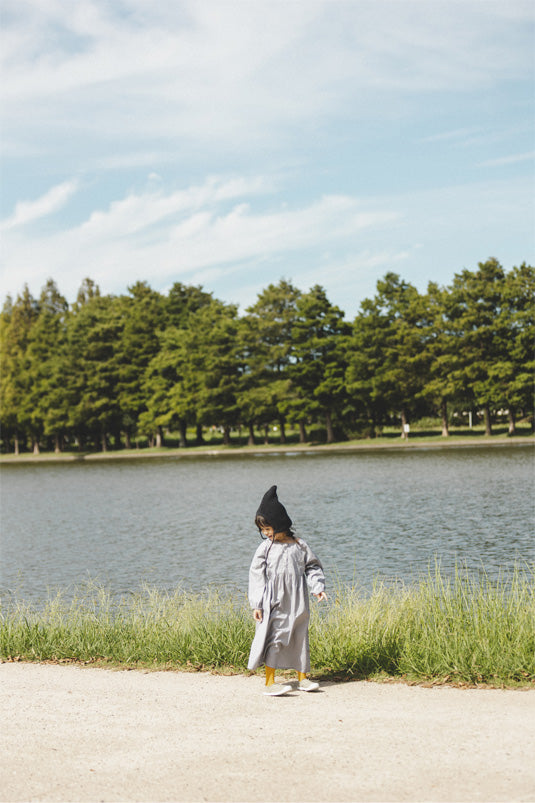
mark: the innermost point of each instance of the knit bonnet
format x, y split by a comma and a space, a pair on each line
274, 511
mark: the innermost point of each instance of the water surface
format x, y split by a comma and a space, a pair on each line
189, 522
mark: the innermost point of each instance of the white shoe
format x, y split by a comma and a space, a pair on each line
308, 685
277, 689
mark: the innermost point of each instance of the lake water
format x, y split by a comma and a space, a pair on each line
189, 521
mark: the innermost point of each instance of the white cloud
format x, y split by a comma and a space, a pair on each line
138, 212
509, 160
456, 135
241, 235
234, 237
184, 234
30, 211
238, 72
325, 99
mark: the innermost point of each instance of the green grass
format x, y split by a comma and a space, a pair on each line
388, 440
426, 432
463, 629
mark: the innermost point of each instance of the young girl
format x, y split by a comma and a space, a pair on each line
282, 567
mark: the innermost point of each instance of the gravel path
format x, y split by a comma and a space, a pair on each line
82, 734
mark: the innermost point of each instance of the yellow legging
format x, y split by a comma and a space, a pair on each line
270, 676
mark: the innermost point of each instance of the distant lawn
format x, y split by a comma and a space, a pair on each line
388, 436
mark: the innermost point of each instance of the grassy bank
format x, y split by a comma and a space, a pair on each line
390, 439
440, 630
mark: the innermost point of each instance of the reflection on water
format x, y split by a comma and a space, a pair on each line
190, 522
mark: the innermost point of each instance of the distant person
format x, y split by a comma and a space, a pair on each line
282, 568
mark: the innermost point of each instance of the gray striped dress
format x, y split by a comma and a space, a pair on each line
279, 579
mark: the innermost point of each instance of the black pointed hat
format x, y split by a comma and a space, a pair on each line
274, 511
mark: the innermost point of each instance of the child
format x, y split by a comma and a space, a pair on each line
282, 567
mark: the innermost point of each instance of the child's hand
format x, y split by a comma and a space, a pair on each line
257, 614
321, 596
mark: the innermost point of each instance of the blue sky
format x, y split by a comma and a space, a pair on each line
229, 144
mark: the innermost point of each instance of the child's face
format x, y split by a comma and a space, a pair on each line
268, 532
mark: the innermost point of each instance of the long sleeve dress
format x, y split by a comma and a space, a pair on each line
278, 579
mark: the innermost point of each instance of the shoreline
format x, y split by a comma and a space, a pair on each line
412, 444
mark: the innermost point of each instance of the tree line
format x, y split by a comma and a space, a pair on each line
109, 369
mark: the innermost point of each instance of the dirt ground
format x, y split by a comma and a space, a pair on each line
70, 733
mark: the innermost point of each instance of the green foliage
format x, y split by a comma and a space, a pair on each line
387, 359
18, 320
512, 373
143, 313
266, 350
110, 369
474, 312
193, 378
93, 368
318, 373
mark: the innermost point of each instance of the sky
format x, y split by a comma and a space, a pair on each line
230, 144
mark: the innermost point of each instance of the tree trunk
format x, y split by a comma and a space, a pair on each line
159, 438
486, 414
226, 435
444, 414
36, 449
329, 426
302, 432
199, 440
266, 434
127, 441
251, 440
182, 439
16, 448
57, 444
512, 421
103, 442
282, 429
404, 425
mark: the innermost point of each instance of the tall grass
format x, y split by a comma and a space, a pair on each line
462, 628
151, 627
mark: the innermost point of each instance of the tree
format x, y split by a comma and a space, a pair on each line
211, 365
144, 362
182, 301
257, 393
88, 290
513, 372
143, 315
387, 365
318, 369
93, 332
171, 394
194, 376
46, 400
266, 345
474, 311
167, 403
17, 322
440, 344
